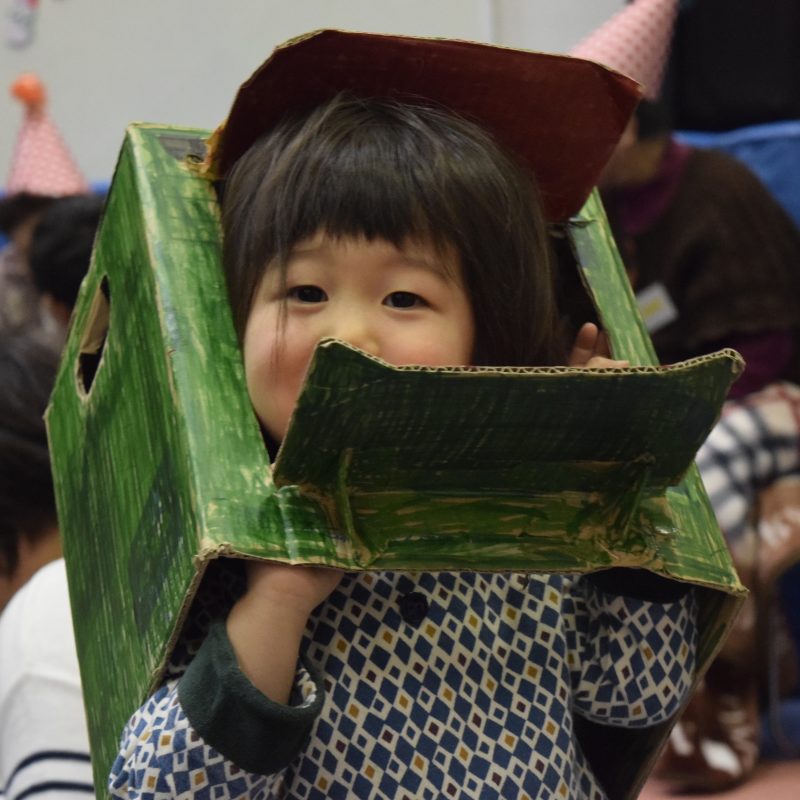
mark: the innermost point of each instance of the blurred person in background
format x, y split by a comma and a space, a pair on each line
19, 300
44, 747
713, 258
61, 249
41, 170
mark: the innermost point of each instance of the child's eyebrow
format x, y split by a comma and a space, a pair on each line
437, 266
443, 261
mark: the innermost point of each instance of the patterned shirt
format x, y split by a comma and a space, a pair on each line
442, 685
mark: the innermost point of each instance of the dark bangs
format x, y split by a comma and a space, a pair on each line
379, 169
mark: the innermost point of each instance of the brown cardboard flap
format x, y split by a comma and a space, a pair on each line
581, 107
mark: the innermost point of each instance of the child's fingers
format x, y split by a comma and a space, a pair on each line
602, 348
601, 362
602, 355
592, 351
302, 586
584, 347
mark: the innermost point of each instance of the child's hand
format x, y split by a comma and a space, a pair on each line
266, 625
591, 350
299, 589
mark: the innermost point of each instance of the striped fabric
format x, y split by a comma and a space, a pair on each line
44, 744
756, 443
51, 774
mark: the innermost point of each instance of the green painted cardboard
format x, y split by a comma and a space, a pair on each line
160, 467
548, 468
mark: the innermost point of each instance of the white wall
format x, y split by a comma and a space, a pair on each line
549, 25
108, 62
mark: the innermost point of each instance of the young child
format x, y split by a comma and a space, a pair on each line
405, 231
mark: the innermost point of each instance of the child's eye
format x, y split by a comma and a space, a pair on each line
307, 294
404, 300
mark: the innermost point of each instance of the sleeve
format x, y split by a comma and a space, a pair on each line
43, 740
44, 744
632, 660
740, 272
752, 446
212, 729
162, 757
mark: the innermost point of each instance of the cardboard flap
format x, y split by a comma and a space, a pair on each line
513, 430
468, 463
586, 106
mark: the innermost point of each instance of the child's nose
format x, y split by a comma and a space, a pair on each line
358, 330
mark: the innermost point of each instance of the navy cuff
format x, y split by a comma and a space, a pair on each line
232, 716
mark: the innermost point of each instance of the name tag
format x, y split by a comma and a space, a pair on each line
656, 307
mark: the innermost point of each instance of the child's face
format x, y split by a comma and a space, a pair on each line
406, 306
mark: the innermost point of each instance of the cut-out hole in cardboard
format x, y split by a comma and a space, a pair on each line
94, 337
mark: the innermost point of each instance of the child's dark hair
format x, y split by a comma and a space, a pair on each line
61, 247
382, 169
27, 502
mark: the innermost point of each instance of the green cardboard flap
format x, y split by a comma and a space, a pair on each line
496, 462
510, 430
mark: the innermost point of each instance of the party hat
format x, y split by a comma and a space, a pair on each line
635, 42
41, 163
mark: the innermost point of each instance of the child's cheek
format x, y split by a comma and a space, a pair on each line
276, 369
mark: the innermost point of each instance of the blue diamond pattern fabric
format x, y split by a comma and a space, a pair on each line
475, 699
